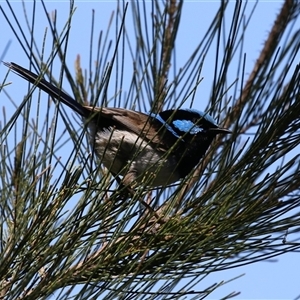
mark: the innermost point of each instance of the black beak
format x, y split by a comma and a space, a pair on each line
219, 130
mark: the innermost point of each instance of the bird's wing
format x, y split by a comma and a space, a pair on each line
139, 123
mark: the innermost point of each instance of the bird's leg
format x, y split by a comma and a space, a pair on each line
124, 189
126, 185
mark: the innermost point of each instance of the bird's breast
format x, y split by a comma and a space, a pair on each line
125, 152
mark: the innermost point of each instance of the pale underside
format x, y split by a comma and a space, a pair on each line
125, 153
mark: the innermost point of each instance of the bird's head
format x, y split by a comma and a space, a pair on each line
190, 124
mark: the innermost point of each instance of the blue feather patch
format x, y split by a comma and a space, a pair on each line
163, 122
187, 126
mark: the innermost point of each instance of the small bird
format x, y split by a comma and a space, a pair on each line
148, 149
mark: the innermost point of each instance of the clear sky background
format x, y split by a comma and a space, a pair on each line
264, 280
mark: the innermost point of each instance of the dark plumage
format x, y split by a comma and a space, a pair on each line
155, 149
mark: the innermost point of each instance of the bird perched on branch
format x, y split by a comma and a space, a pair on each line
148, 149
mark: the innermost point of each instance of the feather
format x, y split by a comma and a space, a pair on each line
134, 144
139, 123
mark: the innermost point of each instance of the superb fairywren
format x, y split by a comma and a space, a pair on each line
152, 149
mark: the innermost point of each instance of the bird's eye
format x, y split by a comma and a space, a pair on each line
187, 126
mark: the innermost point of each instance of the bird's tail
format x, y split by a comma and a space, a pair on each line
49, 88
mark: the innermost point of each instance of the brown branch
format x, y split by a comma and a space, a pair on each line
277, 31
167, 47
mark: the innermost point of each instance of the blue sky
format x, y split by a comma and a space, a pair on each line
264, 280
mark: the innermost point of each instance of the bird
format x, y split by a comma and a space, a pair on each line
149, 149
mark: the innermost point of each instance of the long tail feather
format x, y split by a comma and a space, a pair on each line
49, 88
